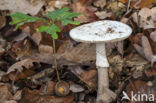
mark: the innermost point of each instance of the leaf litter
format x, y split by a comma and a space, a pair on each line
27, 56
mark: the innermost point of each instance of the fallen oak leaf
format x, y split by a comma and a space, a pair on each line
26, 63
14, 76
145, 50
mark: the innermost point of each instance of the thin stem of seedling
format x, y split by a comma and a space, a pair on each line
55, 62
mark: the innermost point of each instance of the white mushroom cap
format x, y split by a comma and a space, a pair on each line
101, 31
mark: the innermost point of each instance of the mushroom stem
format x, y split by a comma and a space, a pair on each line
101, 58
103, 94
102, 64
103, 80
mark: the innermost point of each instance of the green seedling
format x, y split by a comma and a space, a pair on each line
63, 15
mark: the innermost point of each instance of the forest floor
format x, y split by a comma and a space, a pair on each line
27, 65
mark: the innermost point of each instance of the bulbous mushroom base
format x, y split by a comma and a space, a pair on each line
104, 94
107, 97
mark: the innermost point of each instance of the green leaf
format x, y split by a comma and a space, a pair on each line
64, 16
50, 29
68, 21
20, 19
57, 13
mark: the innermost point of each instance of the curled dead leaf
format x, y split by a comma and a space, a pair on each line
19, 66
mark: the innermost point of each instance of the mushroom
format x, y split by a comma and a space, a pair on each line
101, 32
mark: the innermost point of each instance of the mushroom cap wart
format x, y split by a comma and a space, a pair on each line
101, 31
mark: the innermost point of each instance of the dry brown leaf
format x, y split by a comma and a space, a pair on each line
17, 95
80, 53
22, 49
147, 48
48, 88
35, 78
136, 62
46, 49
14, 76
37, 37
20, 37
58, 3
115, 6
150, 72
144, 3
11, 101
116, 63
139, 49
141, 87
2, 51
82, 8
19, 66
153, 10
135, 17
23, 6
123, 1
88, 77
153, 36
145, 18
3, 21
53, 4
137, 38
33, 96
103, 14
100, 3
144, 14
5, 95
